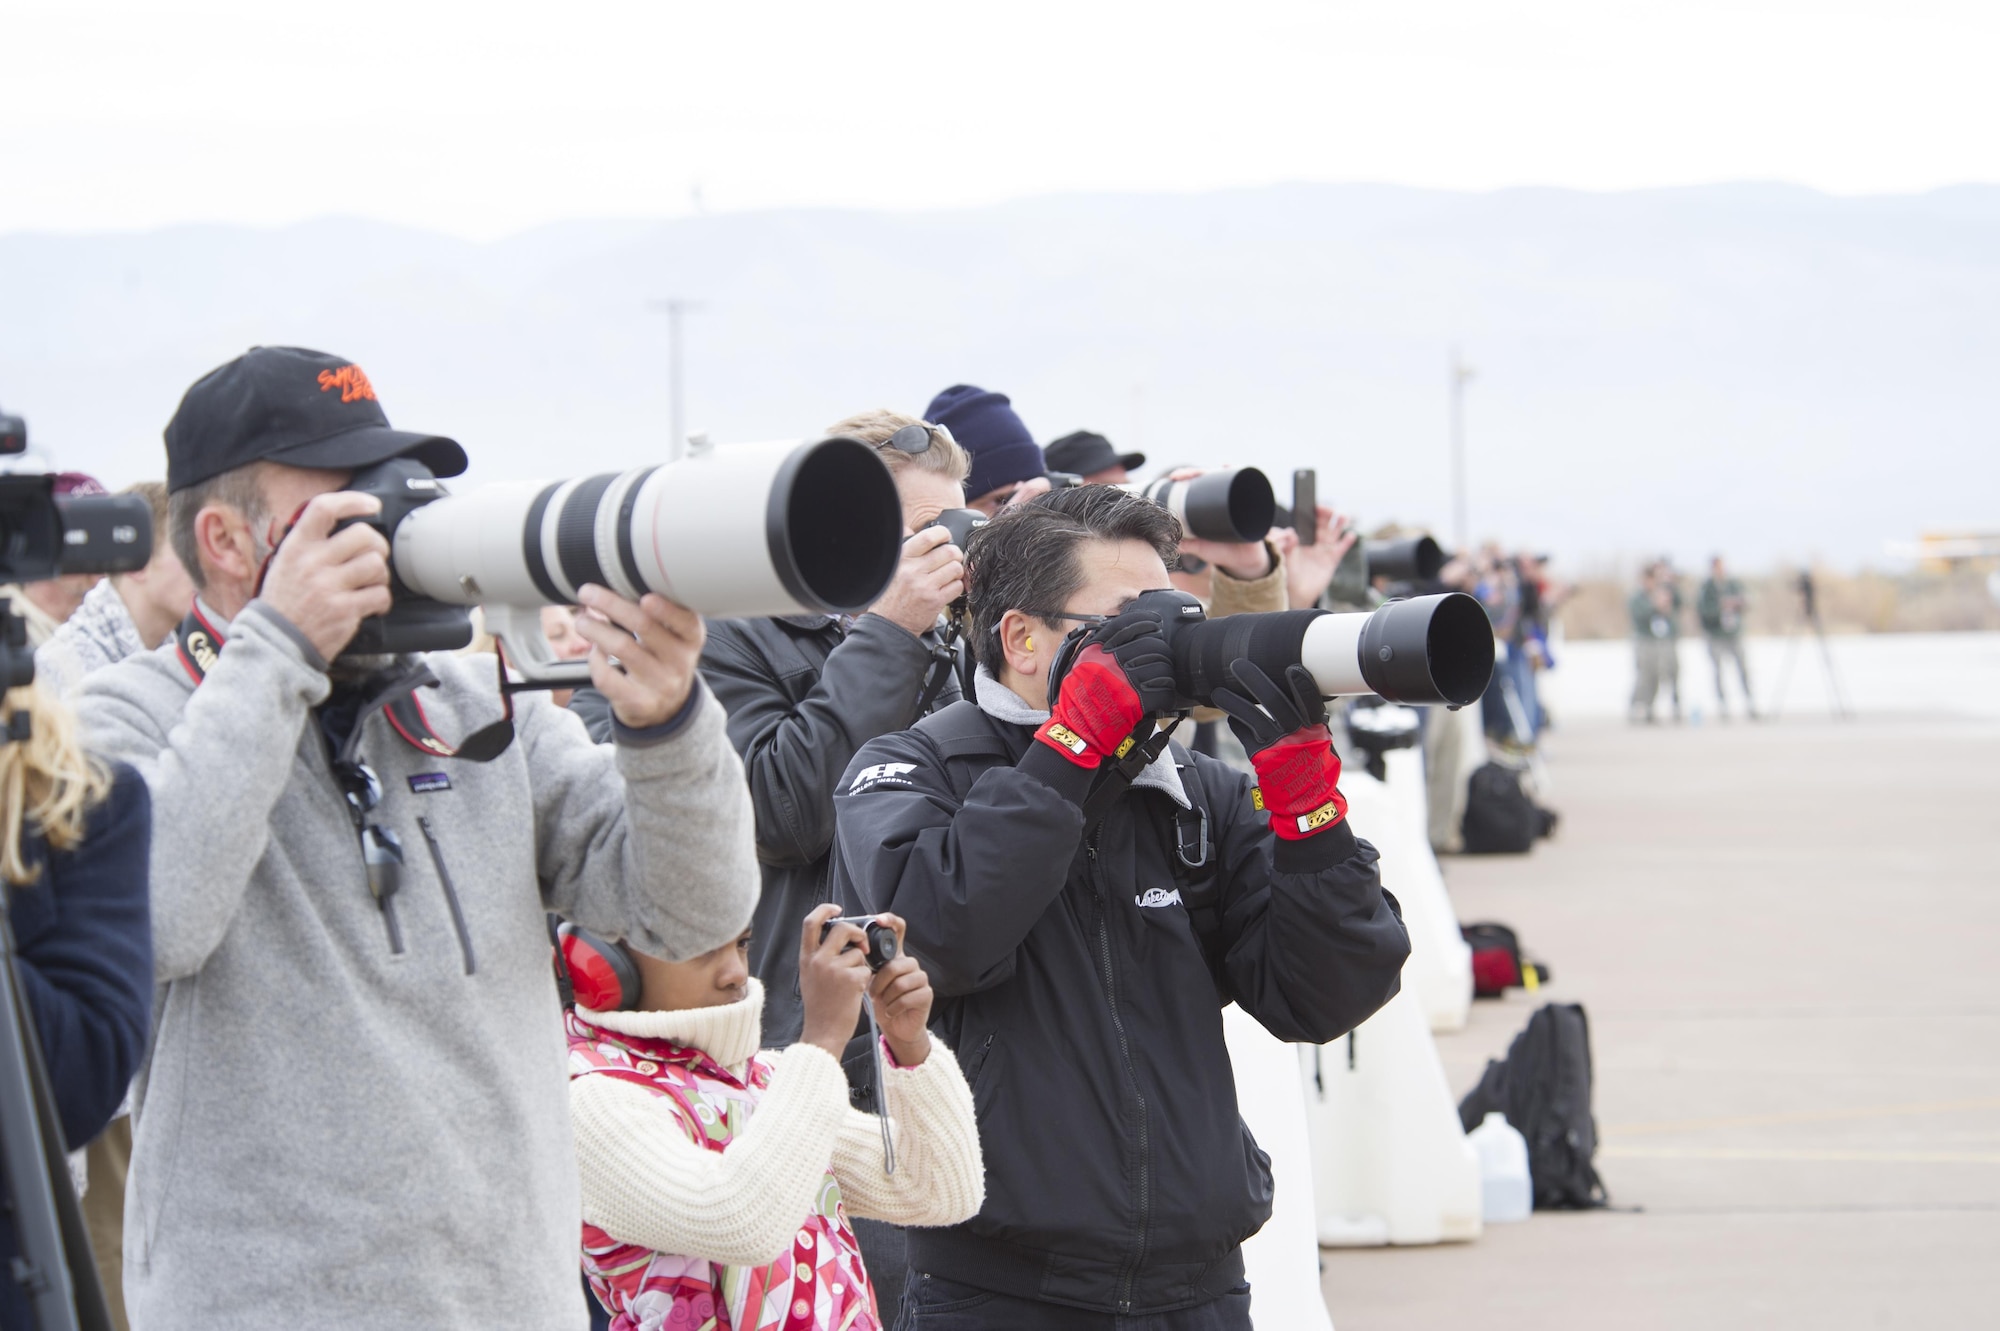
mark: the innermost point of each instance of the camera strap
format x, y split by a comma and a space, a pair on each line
199, 645
1134, 758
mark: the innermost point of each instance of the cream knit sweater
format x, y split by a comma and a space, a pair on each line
645, 1183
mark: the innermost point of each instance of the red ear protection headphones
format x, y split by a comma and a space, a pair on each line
601, 972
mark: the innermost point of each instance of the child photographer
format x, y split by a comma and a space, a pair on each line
74, 838
718, 1181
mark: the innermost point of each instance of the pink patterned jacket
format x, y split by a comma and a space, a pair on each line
819, 1285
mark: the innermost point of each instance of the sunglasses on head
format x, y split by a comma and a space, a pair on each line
914, 439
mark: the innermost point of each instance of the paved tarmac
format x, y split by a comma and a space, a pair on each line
1788, 941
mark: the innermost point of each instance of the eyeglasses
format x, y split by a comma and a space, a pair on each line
915, 439
381, 848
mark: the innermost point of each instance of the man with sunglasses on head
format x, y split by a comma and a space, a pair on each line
356, 1077
1086, 900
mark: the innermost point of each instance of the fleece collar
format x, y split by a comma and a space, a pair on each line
1003, 704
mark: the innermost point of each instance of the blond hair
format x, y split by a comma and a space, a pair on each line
946, 456
48, 783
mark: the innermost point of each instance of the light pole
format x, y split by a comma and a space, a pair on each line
1461, 375
674, 307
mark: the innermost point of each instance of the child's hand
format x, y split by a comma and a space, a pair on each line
832, 977
902, 994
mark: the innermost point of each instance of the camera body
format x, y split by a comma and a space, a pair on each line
414, 623
961, 523
882, 945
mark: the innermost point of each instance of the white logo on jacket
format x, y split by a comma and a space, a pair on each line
870, 777
1158, 896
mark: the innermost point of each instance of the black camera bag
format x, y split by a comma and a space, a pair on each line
1543, 1087
1500, 818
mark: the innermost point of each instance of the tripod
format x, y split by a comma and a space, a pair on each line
1809, 599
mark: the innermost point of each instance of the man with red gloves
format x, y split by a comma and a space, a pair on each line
1086, 898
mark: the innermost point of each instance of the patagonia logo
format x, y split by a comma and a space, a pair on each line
1157, 897
352, 383
889, 774
1068, 738
423, 783
1320, 817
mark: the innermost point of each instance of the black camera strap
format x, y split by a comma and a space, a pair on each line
1135, 757
199, 644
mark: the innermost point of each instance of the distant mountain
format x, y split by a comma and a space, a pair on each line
1755, 368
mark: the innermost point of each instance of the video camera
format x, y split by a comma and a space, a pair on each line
44, 535
1433, 649
753, 529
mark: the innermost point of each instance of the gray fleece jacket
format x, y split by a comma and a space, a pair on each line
330, 1133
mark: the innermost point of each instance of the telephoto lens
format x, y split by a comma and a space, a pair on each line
1433, 649
752, 529
1419, 559
43, 535
1234, 504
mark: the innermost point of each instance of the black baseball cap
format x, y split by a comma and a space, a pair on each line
1086, 454
287, 404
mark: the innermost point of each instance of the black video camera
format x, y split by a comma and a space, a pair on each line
882, 945
43, 535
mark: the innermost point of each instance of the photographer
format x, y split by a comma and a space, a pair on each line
47, 604
1082, 965
356, 1073
73, 849
1007, 467
691, 1141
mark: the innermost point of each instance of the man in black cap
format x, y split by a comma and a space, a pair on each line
1092, 457
354, 1111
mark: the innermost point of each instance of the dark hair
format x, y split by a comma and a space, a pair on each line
1025, 559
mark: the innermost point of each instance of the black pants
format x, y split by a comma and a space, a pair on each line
931, 1303
885, 1251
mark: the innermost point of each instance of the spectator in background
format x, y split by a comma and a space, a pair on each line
74, 836
1720, 606
47, 604
124, 614
567, 644
1007, 465
1656, 634
1092, 457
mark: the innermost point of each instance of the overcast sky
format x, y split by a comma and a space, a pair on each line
483, 119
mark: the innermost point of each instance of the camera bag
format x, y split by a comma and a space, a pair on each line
1497, 962
1500, 816
1543, 1087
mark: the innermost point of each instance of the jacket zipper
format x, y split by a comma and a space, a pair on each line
1138, 1259
450, 893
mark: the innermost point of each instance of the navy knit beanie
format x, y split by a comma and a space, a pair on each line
1003, 452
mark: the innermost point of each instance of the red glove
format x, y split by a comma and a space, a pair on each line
1120, 678
1285, 733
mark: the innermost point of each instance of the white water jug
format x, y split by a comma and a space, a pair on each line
1506, 1193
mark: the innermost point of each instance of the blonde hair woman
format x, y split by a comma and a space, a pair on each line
74, 860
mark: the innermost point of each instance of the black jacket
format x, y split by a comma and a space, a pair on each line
86, 961
1085, 1008
802, 695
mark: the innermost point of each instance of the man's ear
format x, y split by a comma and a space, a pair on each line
1027, 643
228, 549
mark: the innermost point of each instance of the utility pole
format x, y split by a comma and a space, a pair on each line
1461, 375
674, 307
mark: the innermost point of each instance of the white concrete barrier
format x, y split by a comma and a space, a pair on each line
1391, 816
1282, 1259
1390, 1161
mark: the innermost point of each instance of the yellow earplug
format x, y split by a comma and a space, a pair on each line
1031, 642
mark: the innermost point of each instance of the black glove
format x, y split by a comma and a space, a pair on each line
1135, 639
1282, 711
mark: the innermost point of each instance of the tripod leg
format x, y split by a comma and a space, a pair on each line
1833, 689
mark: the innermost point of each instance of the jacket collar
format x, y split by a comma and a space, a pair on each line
1003, 704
